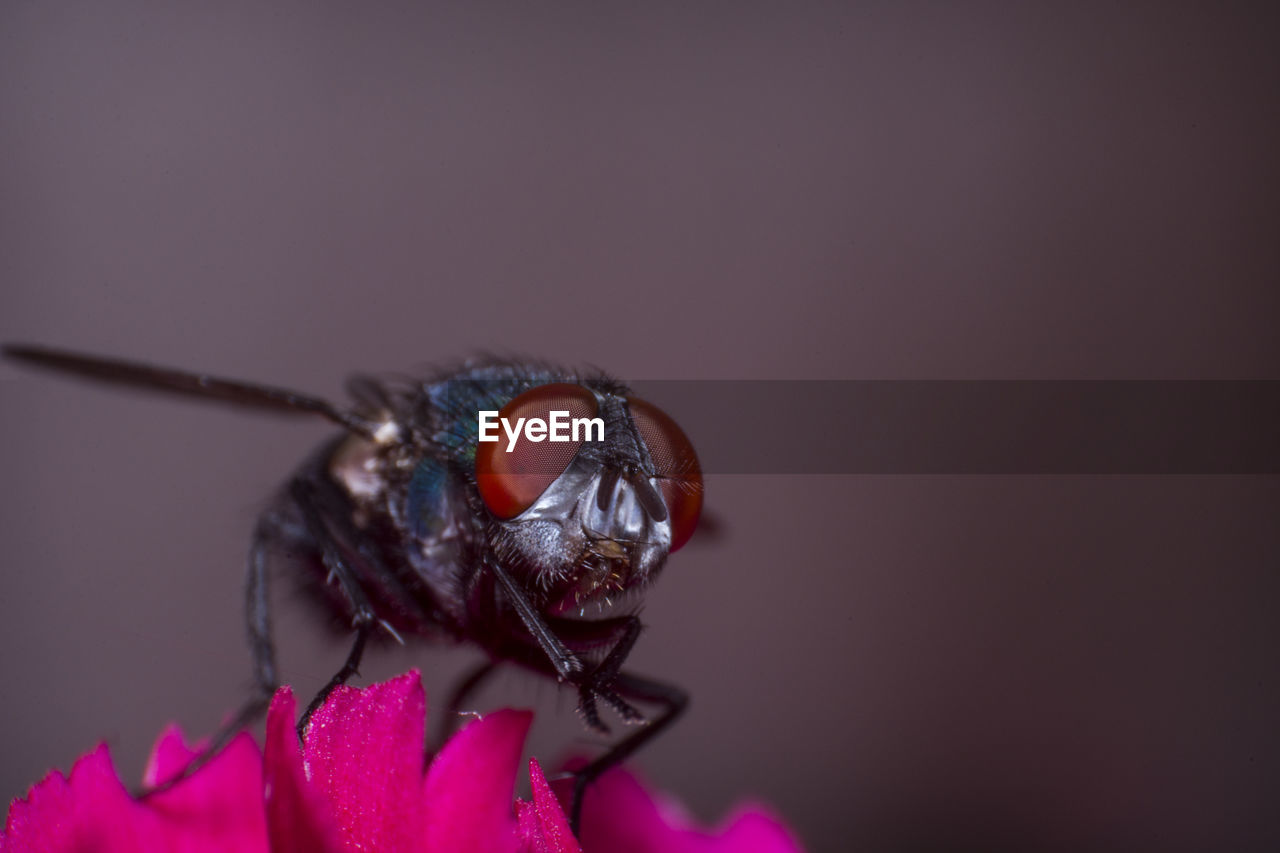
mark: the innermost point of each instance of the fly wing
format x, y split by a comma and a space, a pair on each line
168, 380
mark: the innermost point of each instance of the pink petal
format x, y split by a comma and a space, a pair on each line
88, 811
217, 808
168, 757
364, 751
754, 827
470, 785
543, 825
619, 816
298, 819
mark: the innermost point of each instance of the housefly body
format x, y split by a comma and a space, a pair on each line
408, 524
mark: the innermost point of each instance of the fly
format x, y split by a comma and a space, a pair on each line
406, 524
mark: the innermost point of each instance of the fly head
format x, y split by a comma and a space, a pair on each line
584, 520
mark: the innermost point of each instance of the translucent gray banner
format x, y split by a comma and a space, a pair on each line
976, 427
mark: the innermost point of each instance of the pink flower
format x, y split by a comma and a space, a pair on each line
359, 784
92, 811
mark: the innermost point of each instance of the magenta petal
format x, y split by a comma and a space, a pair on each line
88, 811
620, 816
755, 828
298, 820
217, 808
543, 825
470, 785
168, 757
364, 751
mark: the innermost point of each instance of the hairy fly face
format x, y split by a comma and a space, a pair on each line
582, 521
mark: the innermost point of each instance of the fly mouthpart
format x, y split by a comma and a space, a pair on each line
610, 549
602, 575
613, 547
602, 602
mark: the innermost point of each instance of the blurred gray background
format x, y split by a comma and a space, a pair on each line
293, 191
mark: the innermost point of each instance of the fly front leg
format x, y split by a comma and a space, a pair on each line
566, 664
599, 682
668, 698
605, 682
673, 701
568, 667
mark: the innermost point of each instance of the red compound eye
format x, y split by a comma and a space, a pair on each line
679, 475
510, 482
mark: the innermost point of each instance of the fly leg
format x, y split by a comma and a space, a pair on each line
363, 619
600, 681
567, 665
350, 668
269, 531
606, 681
616, 687
673, 701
